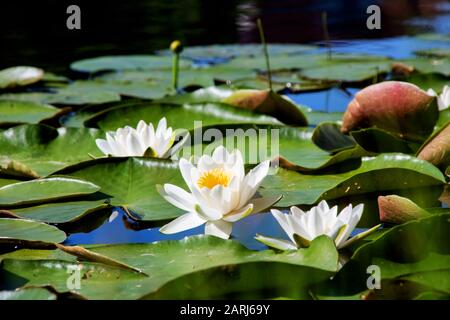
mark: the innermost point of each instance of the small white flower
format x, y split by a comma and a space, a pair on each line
220, 193
303, 227
443, 100
131, 142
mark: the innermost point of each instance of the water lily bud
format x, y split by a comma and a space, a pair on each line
267, 102
402, 69
176, 46
395, 209
437, 151
397, 107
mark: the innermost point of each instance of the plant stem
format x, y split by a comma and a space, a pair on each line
175, 69
326, 35
266, 52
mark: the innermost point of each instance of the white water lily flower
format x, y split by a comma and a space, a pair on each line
443, 100
220, 193
131, 142
303, 227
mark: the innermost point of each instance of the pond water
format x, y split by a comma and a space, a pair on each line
150, 25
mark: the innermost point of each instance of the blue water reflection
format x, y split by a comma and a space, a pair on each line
116, 231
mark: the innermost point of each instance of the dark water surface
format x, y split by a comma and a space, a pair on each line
34, 33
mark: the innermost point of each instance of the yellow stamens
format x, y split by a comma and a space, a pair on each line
214, 177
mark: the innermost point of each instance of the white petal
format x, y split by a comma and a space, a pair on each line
208, 213
260, 172
141, 127
323, 205
162, 127
252, 181
431, 92
185, 222
276, 243
103, 145
283, 221
220, 228
220, 155
113, 216
186, 170
297, 212
206, 163
177, 196
134, 146
237, 164
239, 214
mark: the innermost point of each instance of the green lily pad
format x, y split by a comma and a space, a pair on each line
65, 95
227, 51
131, 182
44, 190
171, 265
42, 150
76, 119
12, 230
375, 174
28, 294
17, 112
61, 212
436, 65
379, 141
349, 72
260, 101
328, 136
19, 76
219, 93
301, 61
425, 81
413, 253
154, 89
434, 53
178, 116
4, 181
138, 80
130, 62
